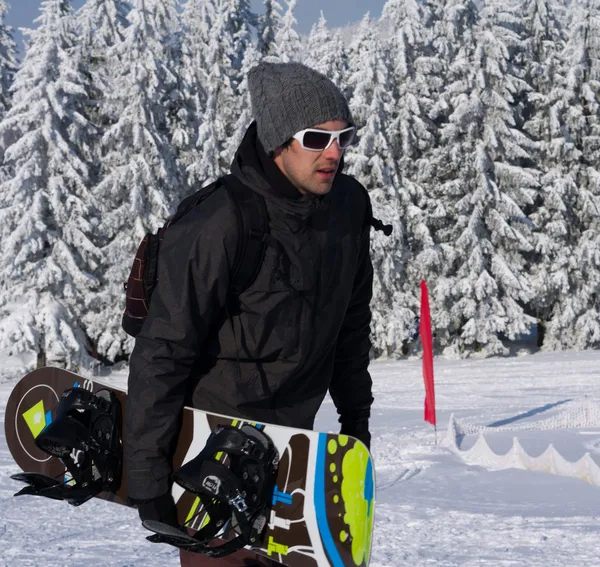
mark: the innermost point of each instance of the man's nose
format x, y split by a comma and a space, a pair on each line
333, 152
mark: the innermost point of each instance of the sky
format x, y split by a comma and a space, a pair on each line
338, 12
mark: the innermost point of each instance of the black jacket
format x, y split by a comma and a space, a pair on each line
302, 327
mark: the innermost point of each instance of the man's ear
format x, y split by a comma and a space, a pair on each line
284, 147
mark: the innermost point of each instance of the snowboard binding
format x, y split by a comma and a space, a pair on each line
86, 436
236, 496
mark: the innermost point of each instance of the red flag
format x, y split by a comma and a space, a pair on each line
427, 342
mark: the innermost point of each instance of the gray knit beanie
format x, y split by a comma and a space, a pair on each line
289, 97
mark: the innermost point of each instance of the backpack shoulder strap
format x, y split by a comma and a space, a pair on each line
253, 228
193, 200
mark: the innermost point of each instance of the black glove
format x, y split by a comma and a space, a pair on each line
356, 425
160, 509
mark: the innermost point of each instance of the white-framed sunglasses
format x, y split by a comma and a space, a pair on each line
315, 140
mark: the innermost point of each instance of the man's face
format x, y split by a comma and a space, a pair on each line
311, 172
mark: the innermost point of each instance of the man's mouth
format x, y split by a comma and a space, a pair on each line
327, 172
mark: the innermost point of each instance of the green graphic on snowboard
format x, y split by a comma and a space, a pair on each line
349, 490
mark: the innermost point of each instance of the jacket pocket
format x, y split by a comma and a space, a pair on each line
271, 318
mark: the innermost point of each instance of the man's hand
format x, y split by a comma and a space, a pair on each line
357, 425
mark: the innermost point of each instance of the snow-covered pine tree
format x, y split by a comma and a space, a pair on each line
423, 39
234, 26
372, 163
407, 26
209, 165
326, 52
179, 115
8, 60
479, 221
287, 41
542, 42
576, 321
410, 129
229, 57
251, 58
100, 26
8, 67
198, 18
267, 26
47, 214
213, 156
140, 181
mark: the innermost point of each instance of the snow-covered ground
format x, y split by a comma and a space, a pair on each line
432, 508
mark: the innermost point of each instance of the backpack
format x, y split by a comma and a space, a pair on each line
252, 219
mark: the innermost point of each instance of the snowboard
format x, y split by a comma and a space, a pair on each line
323, 501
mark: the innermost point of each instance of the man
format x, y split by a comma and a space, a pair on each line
302, 327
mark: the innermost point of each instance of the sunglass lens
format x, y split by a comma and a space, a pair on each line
316, 140
346, 138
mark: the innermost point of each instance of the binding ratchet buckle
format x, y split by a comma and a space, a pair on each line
236, 493
86, 436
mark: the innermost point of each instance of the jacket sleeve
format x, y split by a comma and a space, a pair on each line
351, 386
193, 278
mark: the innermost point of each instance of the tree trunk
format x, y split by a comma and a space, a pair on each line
41, 358
541, 332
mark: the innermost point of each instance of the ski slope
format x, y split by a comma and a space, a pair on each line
432, 507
